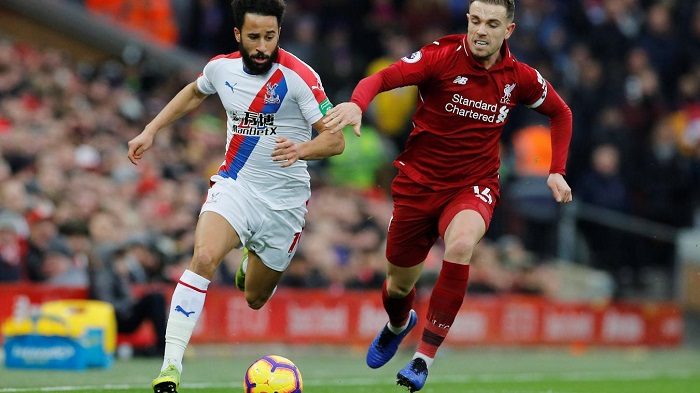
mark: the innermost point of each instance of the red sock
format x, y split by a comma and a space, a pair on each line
445, 301
397, 308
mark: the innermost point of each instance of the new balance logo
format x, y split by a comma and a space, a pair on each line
461, 80
182, 310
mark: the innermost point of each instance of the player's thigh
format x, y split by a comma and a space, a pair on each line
465, 220
213, 239
481, 199
260, 278
462, 235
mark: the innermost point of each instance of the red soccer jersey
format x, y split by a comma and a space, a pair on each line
462, 109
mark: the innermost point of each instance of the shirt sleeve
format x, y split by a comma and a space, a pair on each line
541, 96
204, 83
312, 100
408, 71
561, 126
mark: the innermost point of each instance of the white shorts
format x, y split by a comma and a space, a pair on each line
272, 234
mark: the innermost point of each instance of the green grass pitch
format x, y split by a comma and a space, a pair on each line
220, 369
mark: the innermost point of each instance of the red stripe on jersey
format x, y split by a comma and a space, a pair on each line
305, 72
233, 147
234, 55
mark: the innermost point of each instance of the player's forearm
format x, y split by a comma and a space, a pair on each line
184, 102
366, 90
322, 146
560, 124
387, 79
561, 129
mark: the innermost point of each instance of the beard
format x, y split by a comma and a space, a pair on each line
258, 68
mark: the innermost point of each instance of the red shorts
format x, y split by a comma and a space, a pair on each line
421, 215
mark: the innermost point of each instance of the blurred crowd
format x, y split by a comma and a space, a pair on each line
70, 201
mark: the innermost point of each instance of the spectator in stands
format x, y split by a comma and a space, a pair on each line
302, 41
603, 186
532, 210
106, 232
110, 281
413, 17
341, 64
77, 237
367, 260
207, 26
663, 187
303, 274
644, 102
365, 165
11, 269
612, 27
506, 267
690, 45
146, 260
661, 42
686, 119
42, 231
14, 204
588, 76
154, 19
390, 113
58, 267
487, 275
610, 128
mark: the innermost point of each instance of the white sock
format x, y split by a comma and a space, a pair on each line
397, 330
185, 307
428, 361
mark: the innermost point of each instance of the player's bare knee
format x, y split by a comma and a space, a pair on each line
255, 300
203, 263
256, 305
398, 291
460, 249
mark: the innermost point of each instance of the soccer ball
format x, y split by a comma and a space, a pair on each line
272, 374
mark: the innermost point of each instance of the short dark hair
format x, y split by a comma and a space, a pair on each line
274, 8
509, 4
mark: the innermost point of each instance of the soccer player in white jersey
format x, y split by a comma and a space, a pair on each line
258, 196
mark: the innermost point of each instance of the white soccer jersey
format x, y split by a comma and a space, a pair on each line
285, 101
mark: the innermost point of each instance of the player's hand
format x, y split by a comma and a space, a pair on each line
285, 150
344, 114
139, 145
560, 188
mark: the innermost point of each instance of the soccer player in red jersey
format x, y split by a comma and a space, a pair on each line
448, 182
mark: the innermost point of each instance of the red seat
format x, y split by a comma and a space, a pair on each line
142, 337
